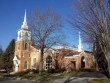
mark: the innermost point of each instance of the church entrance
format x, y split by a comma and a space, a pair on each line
82, 62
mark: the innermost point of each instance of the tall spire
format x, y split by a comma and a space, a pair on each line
24, 25
25, 16
80, 47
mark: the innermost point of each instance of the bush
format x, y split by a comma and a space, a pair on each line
22, 73
58, 70
87, 70
35, 71
50, 71
27, 71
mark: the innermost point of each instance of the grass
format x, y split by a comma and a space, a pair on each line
48, 76
100, 81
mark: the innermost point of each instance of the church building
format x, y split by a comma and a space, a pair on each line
27, 56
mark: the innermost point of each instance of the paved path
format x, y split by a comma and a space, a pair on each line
83, 78
73, 80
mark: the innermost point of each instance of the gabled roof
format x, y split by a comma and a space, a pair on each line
16, 58
73, 53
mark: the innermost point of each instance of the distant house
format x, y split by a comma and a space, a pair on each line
27, 56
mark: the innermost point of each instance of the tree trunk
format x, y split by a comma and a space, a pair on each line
109, 69
40, 68
95, 56
96, 65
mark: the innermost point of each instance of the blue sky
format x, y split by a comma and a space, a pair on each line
12, 14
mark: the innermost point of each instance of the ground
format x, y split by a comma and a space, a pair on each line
64, 80
72, 77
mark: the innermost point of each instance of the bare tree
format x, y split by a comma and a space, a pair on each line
45, 27
93, 20
59, 59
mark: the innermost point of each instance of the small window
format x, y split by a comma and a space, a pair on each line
26, 46
18, 46
25, 65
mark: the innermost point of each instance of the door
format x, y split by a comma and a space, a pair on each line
16, 68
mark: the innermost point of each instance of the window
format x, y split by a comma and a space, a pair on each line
49, 62
25, 65
34, 62
26, 46
26, 34
18, 46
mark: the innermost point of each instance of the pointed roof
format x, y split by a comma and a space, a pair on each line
24, 25
79, 39
16, 58
25, 16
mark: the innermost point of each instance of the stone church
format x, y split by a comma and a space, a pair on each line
27, 56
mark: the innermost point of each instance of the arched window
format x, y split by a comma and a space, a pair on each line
26, 35
49, 62
26, 46
26, 65
82, 62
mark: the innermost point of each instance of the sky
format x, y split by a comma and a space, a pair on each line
12, 14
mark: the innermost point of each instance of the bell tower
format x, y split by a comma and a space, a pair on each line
22, 47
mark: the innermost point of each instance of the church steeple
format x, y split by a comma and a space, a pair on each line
80, 47
24, 25
25, 17
24, 34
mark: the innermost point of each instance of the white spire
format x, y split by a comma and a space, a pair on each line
24, 25
80, 47
25, 16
